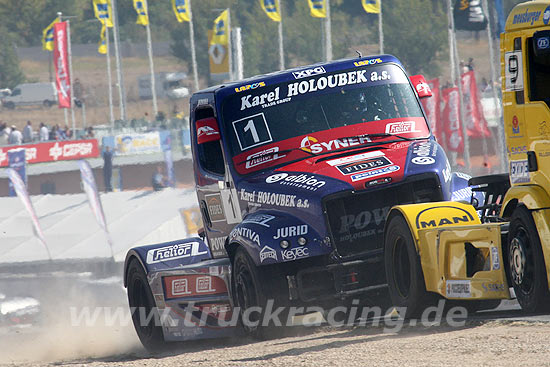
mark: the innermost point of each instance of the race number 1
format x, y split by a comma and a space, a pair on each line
252, 131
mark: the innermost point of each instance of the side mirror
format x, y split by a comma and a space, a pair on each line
421, 86
207, 130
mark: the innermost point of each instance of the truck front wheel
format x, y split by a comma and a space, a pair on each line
403, 270
526, 262
252, 291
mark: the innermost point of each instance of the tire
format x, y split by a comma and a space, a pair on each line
403, 270
9, 105
47, 103
526, 263
141, 297
250, 290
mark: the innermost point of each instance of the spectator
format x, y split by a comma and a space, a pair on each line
470, 65
3, 134
44, 133
90, 133
15, 136
57, 133
27, 133
67, 133
158, 181
107, 168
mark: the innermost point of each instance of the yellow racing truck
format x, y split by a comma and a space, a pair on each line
477, 251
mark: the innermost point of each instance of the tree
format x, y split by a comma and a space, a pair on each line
415, 31
10, 72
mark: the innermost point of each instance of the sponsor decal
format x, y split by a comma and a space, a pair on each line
423, 89
423, 160
447, 172
424, 154
459, 289
442, 215
312, 145
242, 88
401, 127
173, 252
367, 62
272, 198
267, 253
351, 223
246, 233
364, 165
291, 231
312, 85
180, 287
493, 287
462, 194
206, 131
294, 253
355, 158
527, 17
375, 172
546, 16
519, 171
543, 43
518, 150
193, 285
515, 125
264, 156
308, 72
463, 176
217, 246
495, 260
302, 181
259, 219
202, 101
379, 181
215, 207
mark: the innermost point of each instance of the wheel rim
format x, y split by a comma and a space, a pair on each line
246, 293
521, 261
401, 266
140, 301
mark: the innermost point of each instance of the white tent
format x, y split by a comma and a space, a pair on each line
71, 231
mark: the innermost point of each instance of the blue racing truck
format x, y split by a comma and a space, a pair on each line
295, 173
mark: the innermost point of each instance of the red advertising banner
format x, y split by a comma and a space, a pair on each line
61, 63
476, 124
431, 107
451, 120
53, 151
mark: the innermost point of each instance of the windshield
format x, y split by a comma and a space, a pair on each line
336, 107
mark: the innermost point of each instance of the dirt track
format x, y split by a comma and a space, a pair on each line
490, 344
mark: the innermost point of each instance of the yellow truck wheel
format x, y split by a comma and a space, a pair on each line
403, 270
526, 262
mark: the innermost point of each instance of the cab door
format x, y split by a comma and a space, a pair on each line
218, 200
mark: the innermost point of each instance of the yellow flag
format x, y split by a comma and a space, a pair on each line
371, 6
271, 8
103, 11
181, 9
102, 47
318, 8
141, 9
47, 36
220, 30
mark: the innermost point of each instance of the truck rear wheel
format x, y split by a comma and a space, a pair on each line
403, 270
47, 103
9, 105
142, 305
526, 262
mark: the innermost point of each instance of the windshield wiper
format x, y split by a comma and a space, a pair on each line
267, 154
381, 135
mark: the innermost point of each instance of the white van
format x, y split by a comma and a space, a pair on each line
29, 94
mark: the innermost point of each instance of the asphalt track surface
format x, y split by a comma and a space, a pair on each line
57, 340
